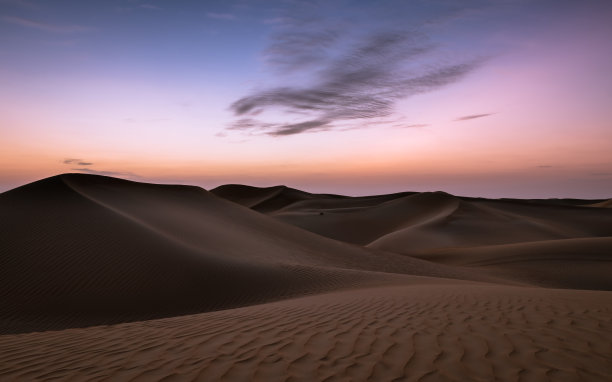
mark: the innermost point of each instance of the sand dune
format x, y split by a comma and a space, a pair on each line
246, 283
415, 221
499, 222
427, 332
82, 249
584, 263
554, 243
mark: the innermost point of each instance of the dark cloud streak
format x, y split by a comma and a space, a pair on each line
473, 116
105, 173
76, 161
364, 79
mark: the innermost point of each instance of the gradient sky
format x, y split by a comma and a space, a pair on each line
494, 98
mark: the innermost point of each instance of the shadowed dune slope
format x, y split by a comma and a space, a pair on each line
584, 263
271, 200
489, 222
564, 243
363, 221
83, 249
264, 199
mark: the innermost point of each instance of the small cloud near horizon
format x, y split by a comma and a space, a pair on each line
76, 161
105, 173
473, 116
544, 166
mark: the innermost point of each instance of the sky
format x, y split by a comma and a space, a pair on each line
492, 98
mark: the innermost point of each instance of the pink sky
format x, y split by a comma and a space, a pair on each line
543, 97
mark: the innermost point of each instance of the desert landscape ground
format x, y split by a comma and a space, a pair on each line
109, 279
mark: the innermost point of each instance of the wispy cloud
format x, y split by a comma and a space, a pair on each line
46, 27
78, 162
105, 173
473, 116
221, 16
84, 168
355, 75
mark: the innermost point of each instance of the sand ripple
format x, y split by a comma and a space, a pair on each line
412, 333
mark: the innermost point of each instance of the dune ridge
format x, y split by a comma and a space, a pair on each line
246, 283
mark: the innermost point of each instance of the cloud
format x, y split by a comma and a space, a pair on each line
79, 162
296, 128
362, 93
473, 116
44, 26
354, 76
105, 173
221, 16
301, 46
88, 170
544, 166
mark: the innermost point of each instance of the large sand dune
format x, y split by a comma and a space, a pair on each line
246, 283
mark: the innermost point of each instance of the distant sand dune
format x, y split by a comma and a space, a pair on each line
584, 263
408, 221
245, 283
555, 243
496, 222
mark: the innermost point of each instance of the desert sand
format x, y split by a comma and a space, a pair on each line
107, 279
